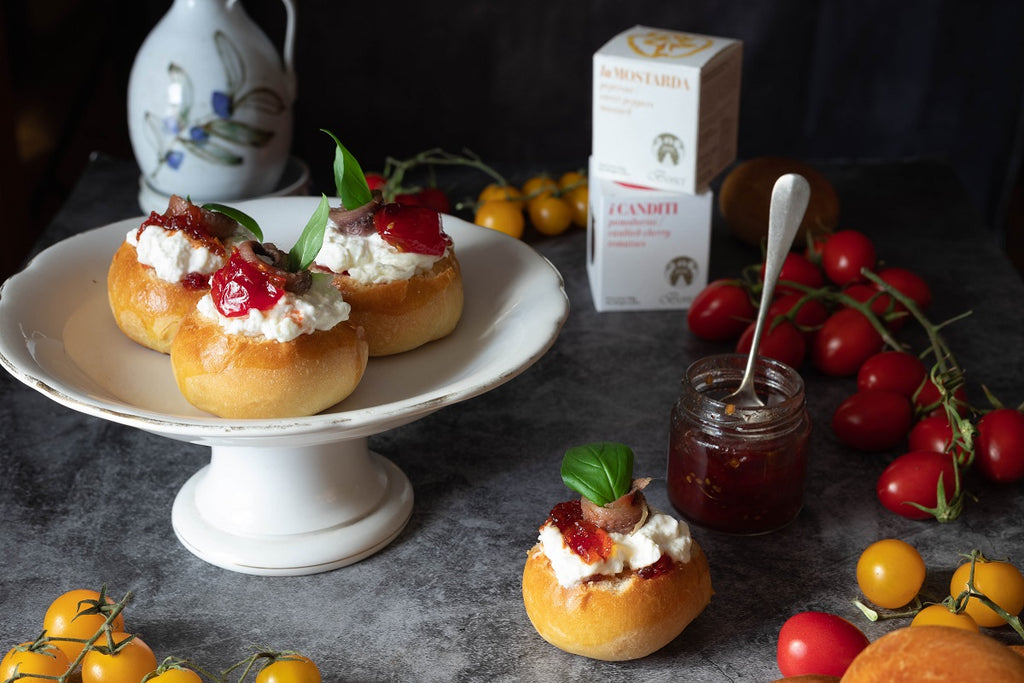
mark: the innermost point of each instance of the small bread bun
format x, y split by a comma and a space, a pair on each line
615, 618
936, 654
745, 197
147, 309
236, 376
401, 315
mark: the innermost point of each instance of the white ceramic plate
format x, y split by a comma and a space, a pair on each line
57, 335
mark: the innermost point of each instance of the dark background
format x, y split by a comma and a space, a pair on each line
822, 80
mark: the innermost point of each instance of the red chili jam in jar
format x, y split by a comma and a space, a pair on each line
738, 470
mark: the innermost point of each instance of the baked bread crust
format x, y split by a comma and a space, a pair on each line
402, 315
237, 376
617, 618
147, 309
937, 654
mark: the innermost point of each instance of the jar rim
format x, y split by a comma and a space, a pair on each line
725, 371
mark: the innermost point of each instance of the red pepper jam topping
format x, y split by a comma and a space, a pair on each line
240, 286
662, 566
584, 538
191, 220
411, 228
196, 281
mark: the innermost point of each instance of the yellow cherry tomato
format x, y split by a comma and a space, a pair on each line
890, 573
579, 201
571, 179
75, 614
940, 615
501, 215
537, 188
129, 663
290, 668
550, 215
1000, 582
45, 660
498, 191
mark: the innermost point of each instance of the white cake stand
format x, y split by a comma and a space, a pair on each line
334, 501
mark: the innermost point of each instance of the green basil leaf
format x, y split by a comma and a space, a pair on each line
349, 178
311, 239
247, 221
601, 472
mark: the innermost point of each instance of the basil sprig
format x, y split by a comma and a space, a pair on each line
311, 239
349, 178
247, 221
601, 472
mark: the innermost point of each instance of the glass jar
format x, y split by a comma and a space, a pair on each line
738, 470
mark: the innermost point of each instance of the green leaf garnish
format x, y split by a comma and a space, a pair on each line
311, 239
349, 178
602, 472
247, 221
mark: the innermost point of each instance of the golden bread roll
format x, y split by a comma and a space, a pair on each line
615, 618
402, 315
238, 376
746, 192
147, 309
937, 654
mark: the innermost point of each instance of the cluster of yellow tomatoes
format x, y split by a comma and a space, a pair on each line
84, 631
891, 573
550, 205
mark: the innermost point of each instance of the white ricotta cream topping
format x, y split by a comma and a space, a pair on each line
661, 534
320, 308
370, 259
173, 255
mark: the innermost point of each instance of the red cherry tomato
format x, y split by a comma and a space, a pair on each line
913, 478
810, 316
908, 283
999, 448
434, 198
873, 420
896, 371
720, 311
818, 643
797, 268
844, 342
931, 433
882, 304
927, 400
781, 341
844, 254
376, 181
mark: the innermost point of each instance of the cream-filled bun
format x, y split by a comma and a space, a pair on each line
614, 582
397, 268
247, 356
163, 267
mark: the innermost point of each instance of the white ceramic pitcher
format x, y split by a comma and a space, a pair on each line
210, 102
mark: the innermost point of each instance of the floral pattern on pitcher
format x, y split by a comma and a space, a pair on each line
175, 134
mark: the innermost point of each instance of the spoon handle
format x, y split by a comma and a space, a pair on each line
790, 196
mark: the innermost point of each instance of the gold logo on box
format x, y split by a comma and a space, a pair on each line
668, 45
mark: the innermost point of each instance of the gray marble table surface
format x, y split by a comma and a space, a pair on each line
86, 502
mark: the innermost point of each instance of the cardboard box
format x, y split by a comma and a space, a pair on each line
666, 108
646, 249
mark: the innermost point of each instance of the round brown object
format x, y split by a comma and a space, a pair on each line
936, 654
237, 376
147, 309
617, 618
404, 314
746, 192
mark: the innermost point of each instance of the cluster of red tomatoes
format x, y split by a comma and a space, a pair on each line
84, 631
835, 307
890, 574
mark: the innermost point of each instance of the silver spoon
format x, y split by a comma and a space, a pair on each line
790, 195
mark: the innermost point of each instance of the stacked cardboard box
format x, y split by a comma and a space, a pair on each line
665, 120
